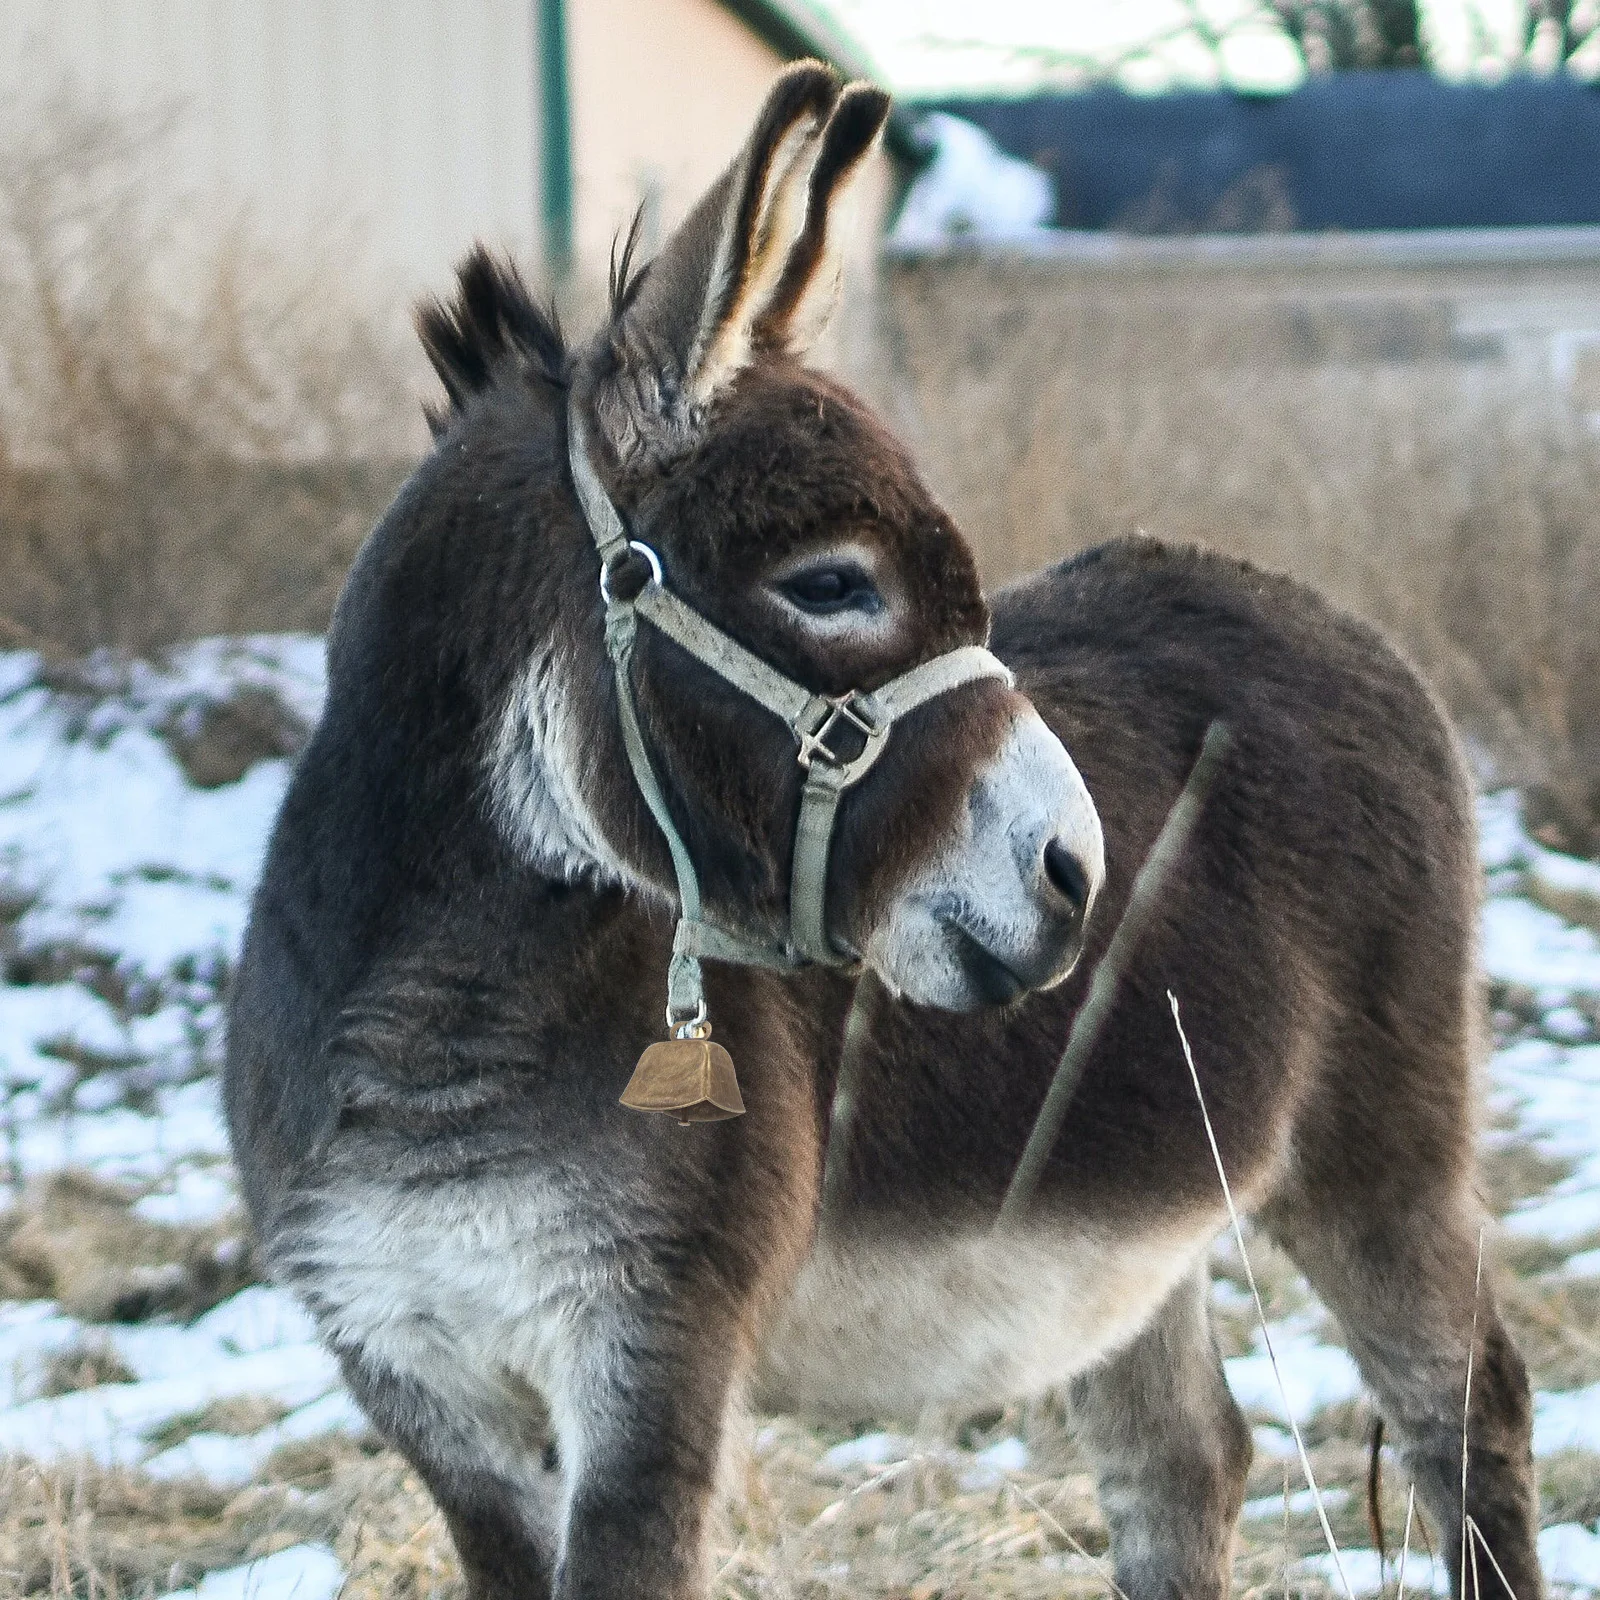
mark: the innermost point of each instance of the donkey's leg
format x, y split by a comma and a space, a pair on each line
644, 1412
1402, 1278
1171, 1450
487, 1457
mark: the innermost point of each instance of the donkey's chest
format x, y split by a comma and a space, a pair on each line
886, 1328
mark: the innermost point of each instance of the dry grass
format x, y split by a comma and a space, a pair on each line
1451, 501
195, 430
76, 1239
115, 1534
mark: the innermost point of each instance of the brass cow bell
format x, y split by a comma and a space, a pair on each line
690, 1079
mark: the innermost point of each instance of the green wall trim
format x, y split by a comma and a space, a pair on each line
555, 144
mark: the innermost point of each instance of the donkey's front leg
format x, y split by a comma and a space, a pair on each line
1171, 1451
645, 1436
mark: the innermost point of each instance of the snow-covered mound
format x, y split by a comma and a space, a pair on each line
135, 803
971, 191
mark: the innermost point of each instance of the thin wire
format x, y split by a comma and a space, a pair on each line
1261, 1313
1466, 1418
1405, 1546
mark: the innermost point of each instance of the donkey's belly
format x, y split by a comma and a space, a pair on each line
883, 1328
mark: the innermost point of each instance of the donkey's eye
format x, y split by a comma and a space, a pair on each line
826, 590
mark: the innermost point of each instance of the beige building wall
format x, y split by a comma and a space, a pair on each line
663, 94
408, 126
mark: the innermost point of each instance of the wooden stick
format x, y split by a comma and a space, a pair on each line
1086, 1026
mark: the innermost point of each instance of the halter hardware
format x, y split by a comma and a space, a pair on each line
841, 710
665, 1072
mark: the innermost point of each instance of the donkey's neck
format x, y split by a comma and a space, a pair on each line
536, 783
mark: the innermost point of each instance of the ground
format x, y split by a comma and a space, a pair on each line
168, 1424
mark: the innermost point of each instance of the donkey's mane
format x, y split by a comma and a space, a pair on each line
492, 325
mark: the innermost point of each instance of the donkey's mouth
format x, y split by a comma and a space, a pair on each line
993, 982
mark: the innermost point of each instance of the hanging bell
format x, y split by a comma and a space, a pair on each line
689, 1078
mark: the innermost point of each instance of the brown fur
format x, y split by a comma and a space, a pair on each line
552, 1305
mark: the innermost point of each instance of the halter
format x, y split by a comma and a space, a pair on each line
816, 720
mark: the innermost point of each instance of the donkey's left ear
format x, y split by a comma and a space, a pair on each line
742, 272
805, 294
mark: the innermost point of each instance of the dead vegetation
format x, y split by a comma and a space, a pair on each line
195, 430
1443, 491
76, 1239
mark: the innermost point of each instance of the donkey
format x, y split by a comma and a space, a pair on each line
569, 679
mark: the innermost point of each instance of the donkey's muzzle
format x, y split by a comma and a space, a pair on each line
1000, 909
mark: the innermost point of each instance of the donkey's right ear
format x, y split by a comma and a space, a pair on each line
691, 323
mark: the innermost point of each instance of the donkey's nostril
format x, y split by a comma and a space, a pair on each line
1067, 875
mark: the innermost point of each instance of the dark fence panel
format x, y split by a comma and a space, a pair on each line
1352, 150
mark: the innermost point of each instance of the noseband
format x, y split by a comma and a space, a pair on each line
816, 720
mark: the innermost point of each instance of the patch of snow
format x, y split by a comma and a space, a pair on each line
1302, 1503
302, 1572
1502, 840
121, 1143
98, 821
107, 1423
1554, 1091
230, 1461
992, 1466
1367, 1572
195, 1195
1586, 1264
1278, 1443
1568, 875
257, 1318
31, 1331
971, 190
1314, 1375
1566, 1420
1525, 944
870, 1450
1566, 1025
1570, 1555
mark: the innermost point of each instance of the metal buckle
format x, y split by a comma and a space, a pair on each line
635, 548
841, 709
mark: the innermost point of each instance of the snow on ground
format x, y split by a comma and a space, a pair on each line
302, 1572
124, 888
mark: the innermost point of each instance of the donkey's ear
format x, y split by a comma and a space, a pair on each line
690, 322
805, 294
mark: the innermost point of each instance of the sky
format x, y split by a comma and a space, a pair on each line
931, 46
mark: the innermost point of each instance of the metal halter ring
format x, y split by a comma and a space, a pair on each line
695, 1027
635, 547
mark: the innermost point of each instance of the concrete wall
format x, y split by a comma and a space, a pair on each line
1009, 370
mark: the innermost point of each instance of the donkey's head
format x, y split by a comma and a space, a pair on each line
776, 507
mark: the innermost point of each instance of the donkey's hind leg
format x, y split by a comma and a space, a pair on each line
1171, 1452
1398, 1264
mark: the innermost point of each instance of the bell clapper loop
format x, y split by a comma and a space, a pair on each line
696, 1027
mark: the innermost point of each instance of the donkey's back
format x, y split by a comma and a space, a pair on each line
1320, 939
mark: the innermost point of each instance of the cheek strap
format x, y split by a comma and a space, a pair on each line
816, 720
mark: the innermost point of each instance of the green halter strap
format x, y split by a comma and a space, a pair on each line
814, 719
